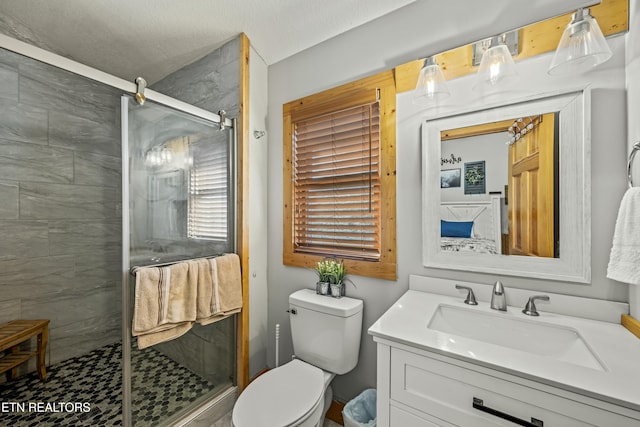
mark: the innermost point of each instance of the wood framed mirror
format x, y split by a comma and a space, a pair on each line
506, 190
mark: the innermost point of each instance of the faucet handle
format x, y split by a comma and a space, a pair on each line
471, 298
530, 307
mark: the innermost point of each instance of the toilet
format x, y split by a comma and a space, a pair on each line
326, 342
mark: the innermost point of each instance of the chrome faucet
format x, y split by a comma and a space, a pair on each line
471, 298
498, 297
530, 307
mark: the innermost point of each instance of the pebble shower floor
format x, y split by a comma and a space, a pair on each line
161, 387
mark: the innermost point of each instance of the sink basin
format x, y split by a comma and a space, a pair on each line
506, 330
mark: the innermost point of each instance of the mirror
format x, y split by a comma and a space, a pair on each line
500, 179
506, 190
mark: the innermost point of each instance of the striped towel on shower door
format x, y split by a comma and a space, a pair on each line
219, 288
165, 302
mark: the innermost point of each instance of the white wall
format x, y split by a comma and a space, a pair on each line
258, 214
492, 149
404, 35
633, 124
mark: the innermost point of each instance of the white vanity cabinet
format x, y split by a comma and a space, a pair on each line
417, 388
442, 362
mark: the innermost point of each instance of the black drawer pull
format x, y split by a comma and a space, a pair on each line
479, 405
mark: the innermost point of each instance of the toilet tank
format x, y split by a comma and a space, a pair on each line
326, 331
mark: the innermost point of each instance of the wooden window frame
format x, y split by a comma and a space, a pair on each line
339, 98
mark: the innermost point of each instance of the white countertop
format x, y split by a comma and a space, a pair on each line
616, 348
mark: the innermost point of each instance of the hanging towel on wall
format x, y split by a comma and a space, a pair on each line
624, 262
220, 290
165, 303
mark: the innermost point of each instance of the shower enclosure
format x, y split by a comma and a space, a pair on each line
178, 203
92, 185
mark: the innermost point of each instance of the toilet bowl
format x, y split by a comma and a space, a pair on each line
295, 394
326, 341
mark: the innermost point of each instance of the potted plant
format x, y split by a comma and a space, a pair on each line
331, 277
337, 274
323, 269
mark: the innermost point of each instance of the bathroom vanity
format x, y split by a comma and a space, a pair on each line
442, 362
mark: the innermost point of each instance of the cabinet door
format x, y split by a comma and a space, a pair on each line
402, 418
453, 393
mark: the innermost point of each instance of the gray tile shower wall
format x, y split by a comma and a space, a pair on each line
60, 220
211, 83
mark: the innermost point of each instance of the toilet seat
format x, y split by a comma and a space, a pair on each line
281, 397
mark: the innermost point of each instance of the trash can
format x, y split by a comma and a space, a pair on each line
361, 410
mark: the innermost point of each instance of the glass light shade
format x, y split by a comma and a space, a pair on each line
496, 65
582, 46
432, 85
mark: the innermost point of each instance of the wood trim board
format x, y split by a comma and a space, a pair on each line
631, 324
242, 338
334, 413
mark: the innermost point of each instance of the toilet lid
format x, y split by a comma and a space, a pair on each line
280, 397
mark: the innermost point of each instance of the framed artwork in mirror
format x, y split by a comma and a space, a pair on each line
474, 178
450, 178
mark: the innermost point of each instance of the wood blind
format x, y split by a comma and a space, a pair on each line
208, 186
336, 183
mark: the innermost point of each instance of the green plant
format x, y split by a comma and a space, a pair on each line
323, 269
331, 270
337, 273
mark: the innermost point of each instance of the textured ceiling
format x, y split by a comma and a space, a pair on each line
152, 38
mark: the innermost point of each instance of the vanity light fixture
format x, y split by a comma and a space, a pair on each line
496, 66
582, 46
431, 87
158, 156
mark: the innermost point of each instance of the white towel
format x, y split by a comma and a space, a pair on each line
624, 261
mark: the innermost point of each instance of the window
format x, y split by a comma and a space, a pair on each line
339, 177
336, 183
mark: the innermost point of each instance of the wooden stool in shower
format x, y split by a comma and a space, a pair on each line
14, 333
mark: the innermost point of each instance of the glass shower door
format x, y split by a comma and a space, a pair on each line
178, 203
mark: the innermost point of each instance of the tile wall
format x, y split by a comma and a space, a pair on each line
211, 83
60, 204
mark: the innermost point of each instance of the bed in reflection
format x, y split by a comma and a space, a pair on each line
471, 226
